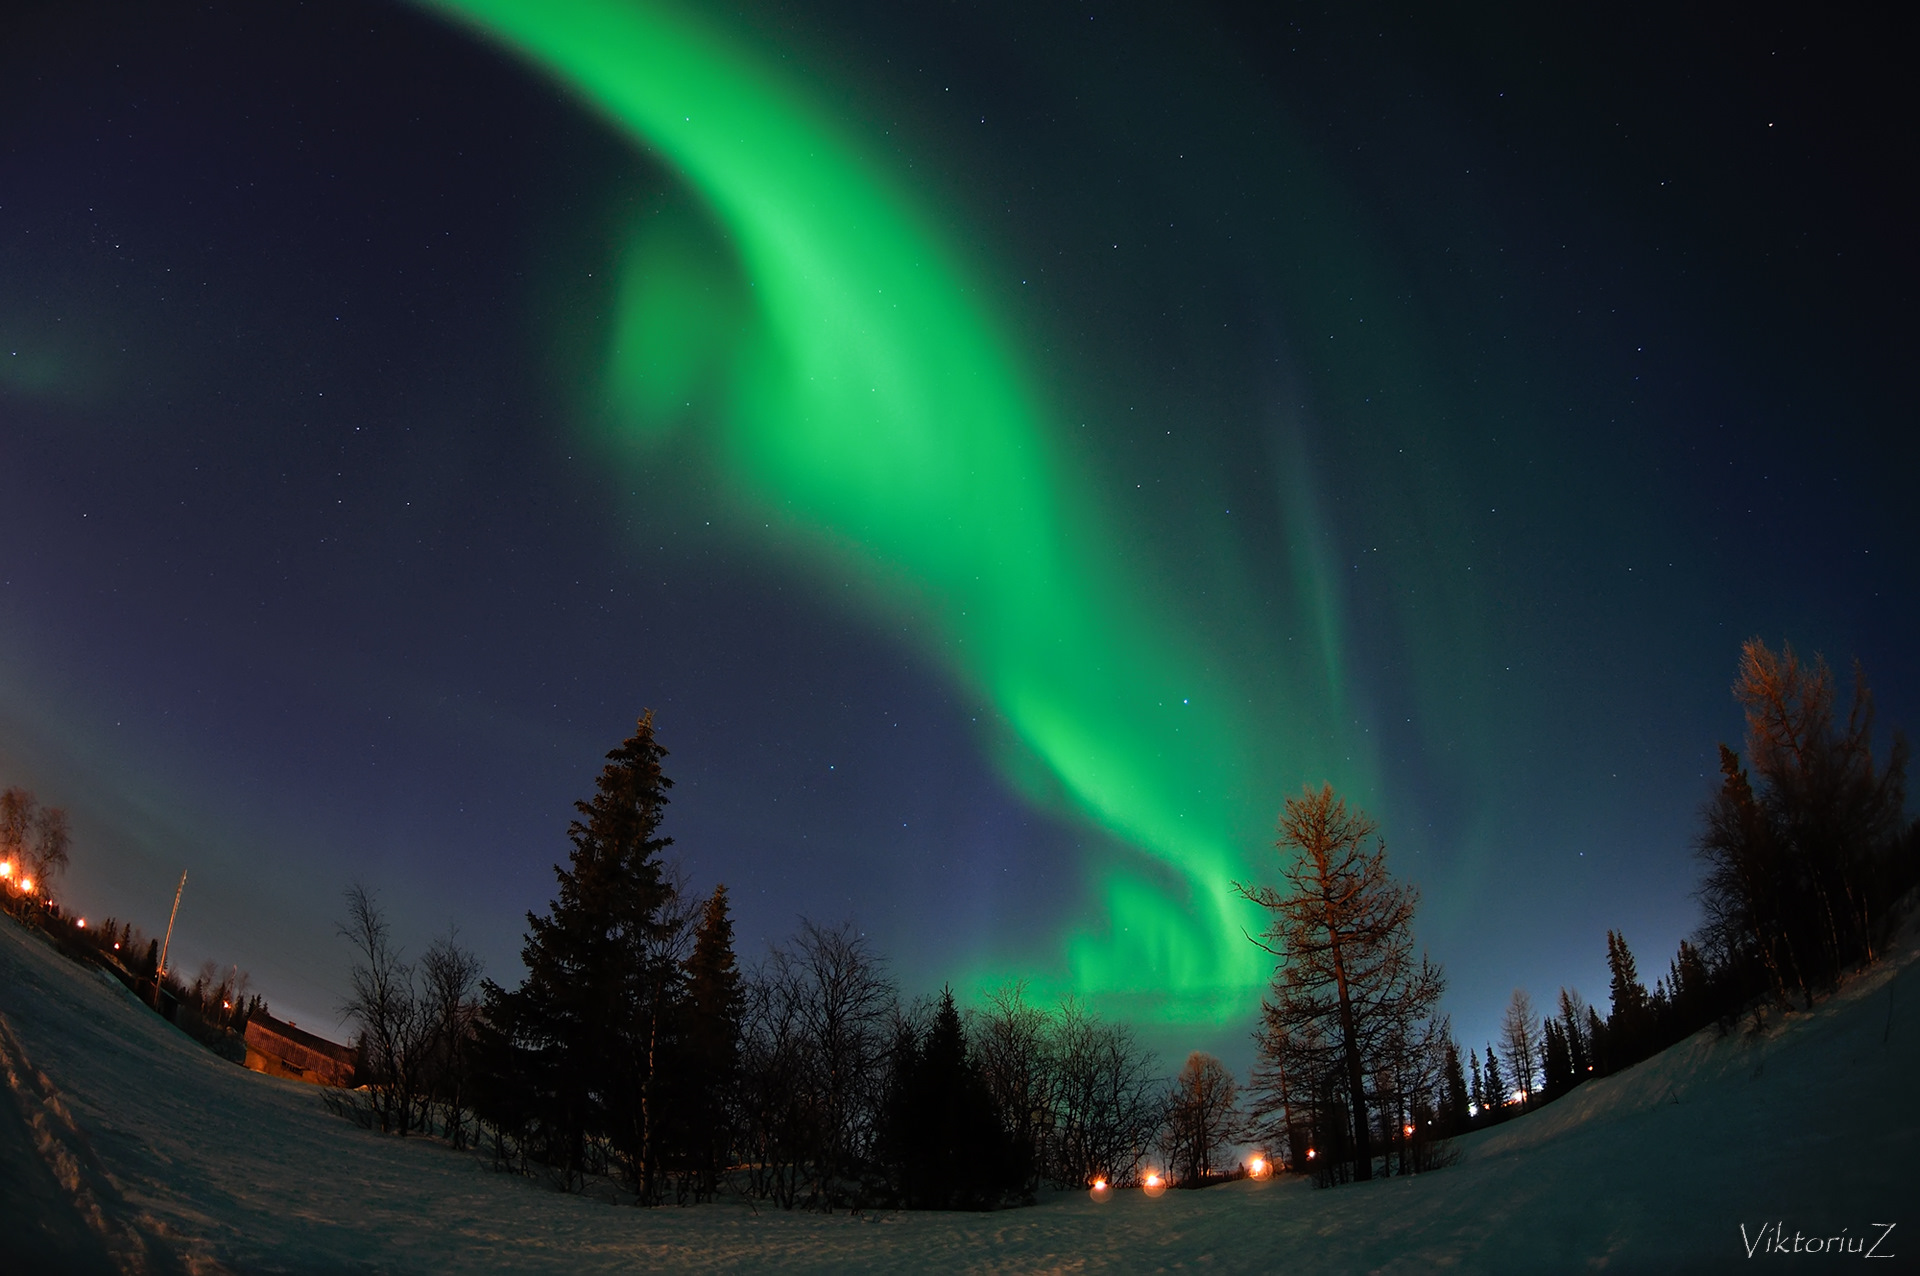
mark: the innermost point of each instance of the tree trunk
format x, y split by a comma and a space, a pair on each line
1356, 1079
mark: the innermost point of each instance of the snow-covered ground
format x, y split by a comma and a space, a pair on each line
124, 1146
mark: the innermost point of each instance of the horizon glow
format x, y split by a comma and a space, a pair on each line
870, 409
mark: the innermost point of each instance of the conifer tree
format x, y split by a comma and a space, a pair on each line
586, 1021
1520, 1042
1497, 1093
1573, 1028
1557, 1061
943, 1135
1348, 978
1806, 858
1599, 1044
709, 1046
1454, 1097
1479, 1086
1690, 989
1627, 1025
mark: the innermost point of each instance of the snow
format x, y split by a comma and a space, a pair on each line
124, 1146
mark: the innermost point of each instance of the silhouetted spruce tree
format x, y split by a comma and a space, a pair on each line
1557, 1060
708, 1057
1627, 1026
585, 1025
1689, 994
1599, 1046
944, 1142
1344, 932
1573, 1030
502, 1082
1479, 1086
1498, 1096
1454, 1096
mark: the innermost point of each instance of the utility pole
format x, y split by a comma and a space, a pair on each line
160, 976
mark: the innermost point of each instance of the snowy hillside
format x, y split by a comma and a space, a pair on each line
124, 1146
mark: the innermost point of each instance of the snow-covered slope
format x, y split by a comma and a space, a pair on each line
124, 1146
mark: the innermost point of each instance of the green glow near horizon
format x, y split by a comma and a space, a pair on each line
872, 410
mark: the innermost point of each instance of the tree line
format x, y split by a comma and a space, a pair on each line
639, 1055
1807, 862
1807, 859
639, 1052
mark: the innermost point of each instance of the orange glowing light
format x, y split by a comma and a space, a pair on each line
1257, 1167
1153, 1184
82, 923
26, 884
1310, 1154
1101, 1191
1409, 1131
116, 945
6, 869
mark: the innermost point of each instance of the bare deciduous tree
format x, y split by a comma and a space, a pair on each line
34, 839
1010, 1046
450, 976
845, 1005
1108, 1106
386, 1008
1520, 1045
817, 1026
1203, 1118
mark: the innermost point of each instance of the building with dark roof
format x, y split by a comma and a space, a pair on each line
281, 1050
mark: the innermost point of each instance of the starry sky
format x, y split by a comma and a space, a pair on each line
1010, 447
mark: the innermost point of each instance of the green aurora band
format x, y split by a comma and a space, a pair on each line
873, 412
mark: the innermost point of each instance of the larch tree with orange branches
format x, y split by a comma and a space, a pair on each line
1348, 992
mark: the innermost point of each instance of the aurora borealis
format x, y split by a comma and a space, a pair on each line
1011, 450
870, 404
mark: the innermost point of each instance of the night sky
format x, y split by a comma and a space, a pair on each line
1011, 448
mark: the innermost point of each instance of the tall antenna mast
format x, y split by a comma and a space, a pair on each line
160, 978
